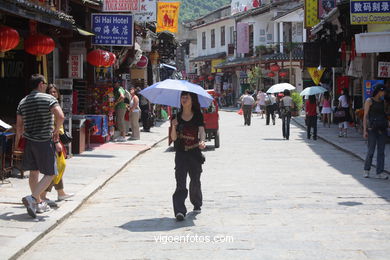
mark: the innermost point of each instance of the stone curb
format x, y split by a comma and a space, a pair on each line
24, 242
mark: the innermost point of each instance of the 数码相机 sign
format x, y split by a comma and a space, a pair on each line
112, 29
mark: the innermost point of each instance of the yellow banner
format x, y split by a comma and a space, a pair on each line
311, 13
167, 16
370, 12
316, 74
215, 63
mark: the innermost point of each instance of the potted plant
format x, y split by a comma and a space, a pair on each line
297, 99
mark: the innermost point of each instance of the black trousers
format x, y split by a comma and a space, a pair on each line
312, 123
270, 111
286, 125
145, 117
247, 111
187, 163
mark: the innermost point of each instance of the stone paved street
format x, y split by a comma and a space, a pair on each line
267, 197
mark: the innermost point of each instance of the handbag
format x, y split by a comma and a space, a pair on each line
60, 167
339, 114
66, 138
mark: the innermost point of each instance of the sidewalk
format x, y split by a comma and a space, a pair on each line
84, 175
354, 144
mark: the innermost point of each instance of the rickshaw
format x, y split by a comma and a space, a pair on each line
210, 116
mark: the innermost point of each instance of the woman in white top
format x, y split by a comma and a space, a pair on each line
286, 105
344, 105
134, 115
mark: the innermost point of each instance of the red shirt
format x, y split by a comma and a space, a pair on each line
311, 109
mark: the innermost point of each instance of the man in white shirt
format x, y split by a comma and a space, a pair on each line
247, 105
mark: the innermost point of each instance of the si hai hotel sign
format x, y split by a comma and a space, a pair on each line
112, 29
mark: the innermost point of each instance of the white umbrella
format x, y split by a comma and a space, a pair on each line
314, 90
280, 87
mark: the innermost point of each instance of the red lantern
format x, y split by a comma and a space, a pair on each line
39, 44
9, 38
202, 78
112, 58
99, 58
210, 77
271, 74
275, 67
143, 62
282, 74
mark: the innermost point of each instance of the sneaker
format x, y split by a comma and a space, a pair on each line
197, 210
66, 196
179, 216
31, 205
121, 139
43, 207
382, 176
366, 174
51, 203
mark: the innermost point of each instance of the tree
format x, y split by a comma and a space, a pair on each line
254, 77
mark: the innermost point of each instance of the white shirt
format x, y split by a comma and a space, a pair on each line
261, 97
248, 100
343, 101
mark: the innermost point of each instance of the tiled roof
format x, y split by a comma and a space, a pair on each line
210, 57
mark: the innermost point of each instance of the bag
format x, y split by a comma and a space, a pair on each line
200, 156
151, 119
267, 101
339, 114
60, 167
240, 111
378, 123
66, 138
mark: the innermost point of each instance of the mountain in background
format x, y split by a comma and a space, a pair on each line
192, 9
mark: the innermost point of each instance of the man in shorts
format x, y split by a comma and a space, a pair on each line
34, 120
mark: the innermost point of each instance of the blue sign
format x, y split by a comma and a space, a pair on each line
368, 87
370, 6
112, 29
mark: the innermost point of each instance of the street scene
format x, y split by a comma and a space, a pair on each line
224, 129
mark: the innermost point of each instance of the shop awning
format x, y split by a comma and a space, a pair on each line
218, 55
83, 32
372, 42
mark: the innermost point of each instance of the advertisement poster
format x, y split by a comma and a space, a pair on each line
368, 84
121, 5
238, 6
147, 11
112, 29
76, 66
167, 16
311, 13
383, 69
370, 12
325, 6
242, 37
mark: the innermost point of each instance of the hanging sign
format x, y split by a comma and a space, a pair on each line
311, 13
112, 29
325, 6
316, 74
167, 16
121, 5
383, 69
370, 12
242, 37
147, 11
368, 84
76, 66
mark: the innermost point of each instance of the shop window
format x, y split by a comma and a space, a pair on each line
212, 38
223, 36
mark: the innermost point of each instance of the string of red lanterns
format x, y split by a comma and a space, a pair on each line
271, 74
275, 67
101, 58
282, 74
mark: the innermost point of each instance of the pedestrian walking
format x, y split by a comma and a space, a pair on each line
311, 116
61, 194
270, 102
375, 126
188, 133
344, 106
261, 102
145, 113
134, 115
247, 103
120, 111
326, 108
286, 106
34, 120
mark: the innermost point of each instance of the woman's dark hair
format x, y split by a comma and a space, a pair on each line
312, 99
195, 101
345, 92
286, 92
50, 87
327, 95
377, 88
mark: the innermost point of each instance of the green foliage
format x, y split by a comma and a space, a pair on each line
254, 76
297, 100
192, 9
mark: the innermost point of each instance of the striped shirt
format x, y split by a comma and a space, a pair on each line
37, 117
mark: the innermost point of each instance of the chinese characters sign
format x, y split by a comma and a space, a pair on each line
311, 13
76, 66
167, 16
370, 12
112, 29
242, 37
368, 87
120, 5
147, 11
383, 69
325, 6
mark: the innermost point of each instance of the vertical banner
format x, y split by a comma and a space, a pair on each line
242, 38
121, 5
76, 66
147, 11
311, 13
325, 6
167, 16
368, 84
383, 69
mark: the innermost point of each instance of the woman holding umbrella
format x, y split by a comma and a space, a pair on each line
189, 136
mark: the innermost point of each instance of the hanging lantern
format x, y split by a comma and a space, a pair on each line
9, 38
211, 77
143, 62
275, 67
98, 58
282, 74
271, 74
202, 78
112, 58
39, 44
